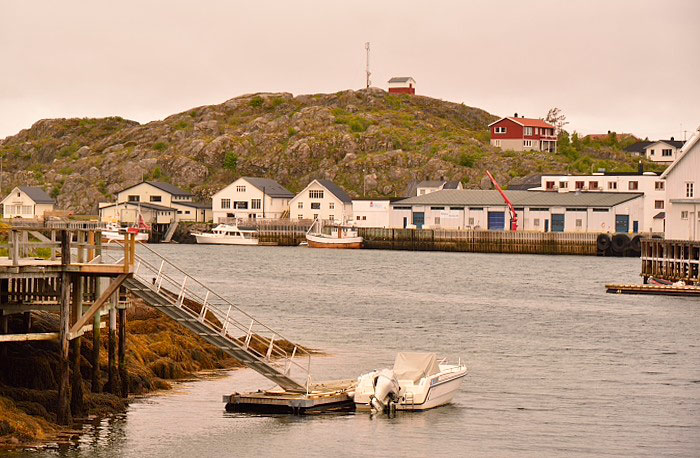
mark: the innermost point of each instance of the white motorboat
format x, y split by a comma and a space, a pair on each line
226, 234
339, 237
418, 381
114, 232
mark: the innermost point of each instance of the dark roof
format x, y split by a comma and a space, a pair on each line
336, 190
37, 194
638, 147
411, 189
473, 197
674, 143
167, 187
160, 208
431, 183
451, 185
194, 204
525, 183
660, 215
270, 187
400, 79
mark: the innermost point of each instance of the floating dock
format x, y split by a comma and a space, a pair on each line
663, 290
325, 397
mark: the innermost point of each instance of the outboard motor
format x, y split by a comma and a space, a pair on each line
386, 390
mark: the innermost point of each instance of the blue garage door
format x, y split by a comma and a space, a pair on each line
418, 219
622, 223
557, 223
497, 221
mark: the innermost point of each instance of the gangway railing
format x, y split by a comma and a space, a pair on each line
257, 344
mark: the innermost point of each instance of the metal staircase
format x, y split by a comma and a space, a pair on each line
169, 289
170, 232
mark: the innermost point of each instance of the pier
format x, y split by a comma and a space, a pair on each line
672, 260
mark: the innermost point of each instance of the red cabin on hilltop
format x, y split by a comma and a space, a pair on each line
402, 85
523, 134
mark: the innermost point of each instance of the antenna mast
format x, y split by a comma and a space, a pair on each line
367, 66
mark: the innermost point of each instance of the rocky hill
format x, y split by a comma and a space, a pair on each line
366, 141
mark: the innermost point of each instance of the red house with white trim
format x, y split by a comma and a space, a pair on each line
402, 85
523, 134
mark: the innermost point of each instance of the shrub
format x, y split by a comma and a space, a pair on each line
160, 146
292, 131
182, 125
230, 161
256, 102
467, 160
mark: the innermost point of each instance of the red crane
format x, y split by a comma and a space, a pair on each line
513, 214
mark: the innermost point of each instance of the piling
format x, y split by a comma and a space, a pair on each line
112, 347
3, 330
77, 404
63, 413
96, 238
123, 375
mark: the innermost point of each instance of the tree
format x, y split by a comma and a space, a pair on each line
230, 161
556, 118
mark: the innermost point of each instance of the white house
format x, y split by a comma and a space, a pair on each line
251, 197
27, 202
159, 203
683, 192
647, 183
663, 151
419, 188
536, 210
322, 199
371, 212
402, 85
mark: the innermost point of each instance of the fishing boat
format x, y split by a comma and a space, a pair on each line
227, 234
339, 237
113, 232
418, 381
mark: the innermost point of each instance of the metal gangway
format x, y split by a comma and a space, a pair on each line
171, 290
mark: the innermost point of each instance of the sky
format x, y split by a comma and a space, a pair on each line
629, 66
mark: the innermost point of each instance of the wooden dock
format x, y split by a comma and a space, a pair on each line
672, 260
62, 268
661, 290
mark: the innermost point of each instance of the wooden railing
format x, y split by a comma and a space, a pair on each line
673, 260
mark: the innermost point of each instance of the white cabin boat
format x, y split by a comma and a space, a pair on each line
114, 232
340, 237
418, 381
226, 234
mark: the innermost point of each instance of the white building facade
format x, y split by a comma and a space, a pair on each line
663, 151
27, 202
324, 200
251, 198
371, 213
648, 183
683, 193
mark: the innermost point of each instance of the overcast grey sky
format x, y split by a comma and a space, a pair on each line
624, 65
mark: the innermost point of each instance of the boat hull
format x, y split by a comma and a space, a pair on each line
118, 237
224, 240
438, 395
337, 243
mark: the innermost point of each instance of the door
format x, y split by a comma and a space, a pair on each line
546, 225
497, 221
635, 226
405, 222
418, 219
622, 223
557, 223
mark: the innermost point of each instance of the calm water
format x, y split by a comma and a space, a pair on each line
557, 366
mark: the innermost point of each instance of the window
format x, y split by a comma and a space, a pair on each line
549, 185
358, 217
612, 185
528, 131
437, 208
689, 192
422, 191
633, 185
331, 217
225, 203
240, 188
156, 198
592, 185
134, 198
240, 204
564, 184
537, 130
536, 222
300, 216
580, 184
684, 215
315, 205
471, 221
364, 218
659, 185
179, 212
599, 210
187, 212
256, 204
437, 220
315, 215
331, 205
651, 152
499, 130
527, 143
666, 152
316, 194
579, 223
26, 209
659, 204
497, 143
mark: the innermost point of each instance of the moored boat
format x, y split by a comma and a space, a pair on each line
339, 237
114, 232
226, 234
418, 381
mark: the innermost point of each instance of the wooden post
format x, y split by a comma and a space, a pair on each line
123, 375
65, 247
27, 322
63, 414
112, 346
53, 249
3, 330
14, 254
77, 403
96, 341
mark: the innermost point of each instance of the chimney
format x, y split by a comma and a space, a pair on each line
515, 115
641, 168
671, 138
608, 132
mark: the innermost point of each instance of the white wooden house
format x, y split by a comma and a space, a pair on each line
251, 197
322, 199
683, 192
27, 202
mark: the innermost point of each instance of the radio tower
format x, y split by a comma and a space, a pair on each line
367, 67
